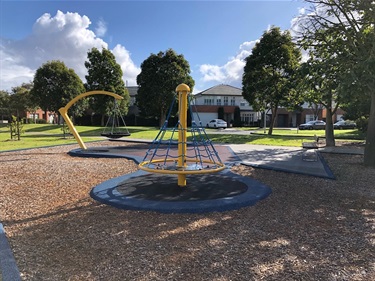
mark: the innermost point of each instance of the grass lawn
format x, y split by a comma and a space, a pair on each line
39, 135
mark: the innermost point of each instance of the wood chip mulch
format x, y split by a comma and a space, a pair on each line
307, 229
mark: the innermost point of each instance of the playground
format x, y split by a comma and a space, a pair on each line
129, 210
309, 228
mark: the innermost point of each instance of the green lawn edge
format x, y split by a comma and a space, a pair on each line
42, 135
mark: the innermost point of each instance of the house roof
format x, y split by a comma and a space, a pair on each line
221, 90
133, 90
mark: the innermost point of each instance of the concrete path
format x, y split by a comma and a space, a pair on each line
286, 159
280, 158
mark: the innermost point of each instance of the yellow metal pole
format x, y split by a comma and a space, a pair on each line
182, 91
64, 112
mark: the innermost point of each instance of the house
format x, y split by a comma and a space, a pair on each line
308, 113
133, 91
207, 103
40, 114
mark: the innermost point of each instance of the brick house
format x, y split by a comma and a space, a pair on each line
287, 118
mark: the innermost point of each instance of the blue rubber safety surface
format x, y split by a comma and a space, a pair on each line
215, 196
8, 266
141, 190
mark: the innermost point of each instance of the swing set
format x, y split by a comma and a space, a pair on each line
115, 127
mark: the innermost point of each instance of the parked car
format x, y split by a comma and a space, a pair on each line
316, 125
217, 123
345, 124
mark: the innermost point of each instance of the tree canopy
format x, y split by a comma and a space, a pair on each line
105, 74
268, 76
20, 98
351, 24
4, 99
160, 75
55, 85
320, 79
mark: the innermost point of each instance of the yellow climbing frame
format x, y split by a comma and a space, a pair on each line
64, 112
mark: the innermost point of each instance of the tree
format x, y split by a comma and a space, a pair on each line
320, 79
105, 74
160, 75
16, 128
55, 85
237, 117
4, 99
4, 105
220, 113
21, 100
358, 110
267, 81
351, 22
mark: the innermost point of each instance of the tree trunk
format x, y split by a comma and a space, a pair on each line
45, 116
330, 137
162, 118
369, 157
273, 118
102, 121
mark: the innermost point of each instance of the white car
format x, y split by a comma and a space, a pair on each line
217, 123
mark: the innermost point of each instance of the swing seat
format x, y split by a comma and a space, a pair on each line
115, 135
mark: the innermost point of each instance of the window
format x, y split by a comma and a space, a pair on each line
34, 116
233, 101
208, 101
310, 117
218, 101
225, 100
247, 118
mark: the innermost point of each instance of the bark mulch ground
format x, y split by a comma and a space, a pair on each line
307, 229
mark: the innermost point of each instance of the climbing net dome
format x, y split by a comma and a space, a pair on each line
179, 149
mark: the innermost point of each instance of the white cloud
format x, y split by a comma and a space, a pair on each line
65, 37
101, 28
129, 69
232, 71
12, 73
212, 72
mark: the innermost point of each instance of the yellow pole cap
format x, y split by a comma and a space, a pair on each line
183, 88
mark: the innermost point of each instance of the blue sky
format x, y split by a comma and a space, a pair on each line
213, 36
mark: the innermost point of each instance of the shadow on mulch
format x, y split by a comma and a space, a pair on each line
164, 187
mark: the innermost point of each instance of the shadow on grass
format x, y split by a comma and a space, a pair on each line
43, 128
351, 135
83, 130
99, 131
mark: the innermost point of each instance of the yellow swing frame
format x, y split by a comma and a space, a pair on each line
64, 112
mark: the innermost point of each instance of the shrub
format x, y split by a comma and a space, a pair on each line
41, 121
362, 124
220, 112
